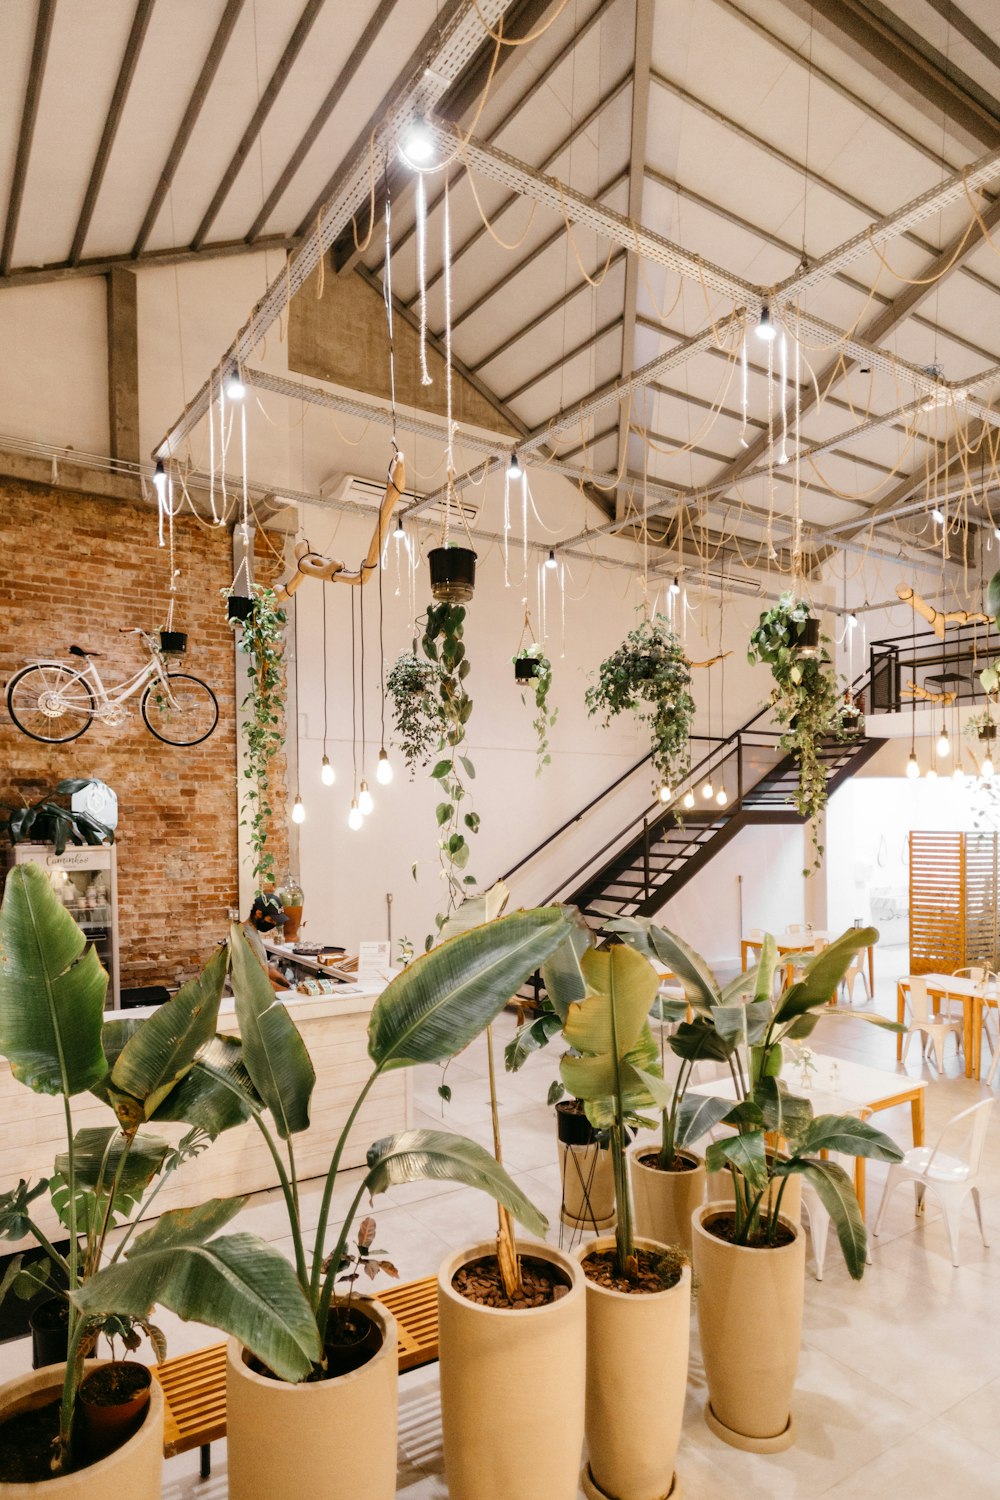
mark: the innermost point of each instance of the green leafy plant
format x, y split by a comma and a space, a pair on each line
742, 1025
650, 676
262, 642
444, 647
977, 723
416, 707
806, 698
162, 1069
540, 685
47, 822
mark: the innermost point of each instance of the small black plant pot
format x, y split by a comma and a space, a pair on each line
807, 643
453, 574
239, 608
173, 642
572, 1126
525, 668
987, 732
351, 1343
49, 1323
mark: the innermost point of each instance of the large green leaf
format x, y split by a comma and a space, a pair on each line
160, 1052
700, 984
849, 1135
98, 1153
187, 1226
562, 975
742, 1025
837, 1195
697, 1115
593, 1079
420, 1155
216, 1093
529, 1038
783, 1113
823, 973
237, 1283
14, 1212
624, 985
766, 965
698, 1040
52, 990
475, 910
443, 1000
274, 1053
746, 1153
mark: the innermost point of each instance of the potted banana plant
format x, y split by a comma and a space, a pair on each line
55, 1039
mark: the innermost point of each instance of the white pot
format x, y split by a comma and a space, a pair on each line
491, 1356
588, 1187
637, 1366
665, 1201
133, 1472
750, 1320
324, 1440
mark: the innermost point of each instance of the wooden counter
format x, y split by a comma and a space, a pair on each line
335, 1030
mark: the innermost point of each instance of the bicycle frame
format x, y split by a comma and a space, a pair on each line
153, 670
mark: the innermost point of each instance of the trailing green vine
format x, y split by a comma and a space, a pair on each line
650, 675
262, 642
416, 708
806, 699
444, 647
540, 684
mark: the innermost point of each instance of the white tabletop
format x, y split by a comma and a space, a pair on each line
955, 984
836, 1087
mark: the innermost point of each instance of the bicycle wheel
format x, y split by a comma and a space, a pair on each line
50, 703
189, 719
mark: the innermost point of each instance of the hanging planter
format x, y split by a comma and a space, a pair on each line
650, 675
173, 642
453, 574
411, 687
526, 668
239, 608
532, 665
807, 643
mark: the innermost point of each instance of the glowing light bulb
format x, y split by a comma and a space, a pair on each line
765, 328
399, 533
664, 793
355, 818
366, 802
722, 796
852, 620
383, 771
708, 790
514, 470
986, 769
689, 798
958, 775
235, 389
550, 561
937, 515
931, 774
298, 811
418, 143
160, 479
675, 587
943, 744
912, 768
996, 532
327, 774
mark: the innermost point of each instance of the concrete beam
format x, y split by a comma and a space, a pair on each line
123, 364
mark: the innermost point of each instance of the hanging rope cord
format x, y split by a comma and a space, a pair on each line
325, 713
354, 701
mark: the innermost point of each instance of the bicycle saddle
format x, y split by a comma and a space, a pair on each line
81, 651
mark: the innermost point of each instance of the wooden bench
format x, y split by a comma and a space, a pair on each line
194, 1385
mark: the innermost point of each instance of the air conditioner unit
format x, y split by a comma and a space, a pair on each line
359, 491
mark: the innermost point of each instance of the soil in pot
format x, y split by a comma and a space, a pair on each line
723, 1227
480, 1281
112, 1406
26, 1440
651, 1159
657, 1271
49, 1333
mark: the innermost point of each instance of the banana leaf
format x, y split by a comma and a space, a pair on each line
698, 1041
767, 963
443, 1000
475, 910
562, 975
824, 972
144, 1156
52, 990
837, 1195
274, 1053
697, 1114
746, 1153
162, 1049
700, 984
623, 986
187, 1226
849, 1135
236, 1283
215, 1094
421, 1155
529, 1038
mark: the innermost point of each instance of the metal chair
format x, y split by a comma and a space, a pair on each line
950, 1178
932, 1028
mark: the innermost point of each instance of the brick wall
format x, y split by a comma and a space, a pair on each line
74, 568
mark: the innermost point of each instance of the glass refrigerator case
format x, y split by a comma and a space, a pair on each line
86, 882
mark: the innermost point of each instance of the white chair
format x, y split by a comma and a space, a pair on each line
949, 1178
932, 1028
858, 970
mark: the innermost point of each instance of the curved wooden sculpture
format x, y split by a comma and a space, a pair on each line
937, 619
911, 690
311, 564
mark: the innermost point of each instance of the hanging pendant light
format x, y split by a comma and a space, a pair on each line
912, 766
355, 818
958, 775
383, 771
550, 561
708, 790
765, 328
688, 798
514, 470
234, 387
417, 144
327, 774
943, 744
664, 793
722, 796
366, 802
986, 769
298, 811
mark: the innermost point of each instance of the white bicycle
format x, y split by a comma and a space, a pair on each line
56, 701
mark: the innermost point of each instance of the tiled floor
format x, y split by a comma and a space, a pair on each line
899, 1382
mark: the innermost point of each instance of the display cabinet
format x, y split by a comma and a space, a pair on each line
86, 881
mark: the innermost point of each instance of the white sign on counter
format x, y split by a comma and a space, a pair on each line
374, 962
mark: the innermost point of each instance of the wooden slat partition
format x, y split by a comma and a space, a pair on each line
981, 898
953, 901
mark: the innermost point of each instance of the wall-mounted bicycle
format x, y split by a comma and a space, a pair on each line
56, 701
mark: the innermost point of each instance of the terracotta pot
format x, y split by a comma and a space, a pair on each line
588, 1187
665, 1201
720, 1186
489, 1352
324, 1440
135, 1470
637, 1366
750, 1320
105, 1427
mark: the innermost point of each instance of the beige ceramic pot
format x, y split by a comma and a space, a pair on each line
637, 1366
750, 1320
490, 1355
665, 1201
325, 1440
588, 1187
134, 1470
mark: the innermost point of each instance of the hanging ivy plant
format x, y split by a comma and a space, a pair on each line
416, 707
444, 648
650, 675
262, 642
533, 669
806, 697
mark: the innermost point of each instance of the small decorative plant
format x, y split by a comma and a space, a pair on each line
416, 707
981, 725
47, 822
806, 697
532, 667
650, 676
262, 642
444, 647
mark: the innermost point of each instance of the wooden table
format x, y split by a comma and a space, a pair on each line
855, 1090
801, 942
974, 994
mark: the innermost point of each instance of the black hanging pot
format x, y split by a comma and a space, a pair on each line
239, 608
807, 643
453, 574
572, 1126
987, 732
49, 1323
526, 667
173, 642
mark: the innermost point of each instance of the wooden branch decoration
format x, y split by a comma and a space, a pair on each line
911, 690
711, 660
937, 619
309, 564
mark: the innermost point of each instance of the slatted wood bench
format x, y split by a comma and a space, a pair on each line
194, 1385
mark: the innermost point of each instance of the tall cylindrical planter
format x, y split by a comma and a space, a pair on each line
323, 1440
486, 1354
750, 1321
637, 1365
134, 1470
665, 1201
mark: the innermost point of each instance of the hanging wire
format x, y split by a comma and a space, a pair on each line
354, 703
361, 623
325, 717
